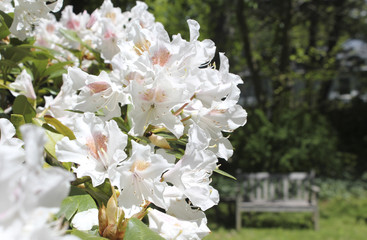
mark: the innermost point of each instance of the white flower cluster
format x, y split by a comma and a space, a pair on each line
165, 89
27, 14
30, 194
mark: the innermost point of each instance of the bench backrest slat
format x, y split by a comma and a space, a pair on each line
265, 187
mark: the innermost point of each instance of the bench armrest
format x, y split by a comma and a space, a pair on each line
315, 189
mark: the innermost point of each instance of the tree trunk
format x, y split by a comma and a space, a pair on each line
312, 36
281, 84
254, 70
332, 41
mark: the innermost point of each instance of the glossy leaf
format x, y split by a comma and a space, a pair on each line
56, 69
52, 139
86, 235
137, 230
5, 23
101, 193
61, 128
17, 120
23, 107
77, 201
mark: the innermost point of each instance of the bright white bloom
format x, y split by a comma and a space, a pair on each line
140, 178
27, 14
39, 225
47, 34
214, 120
23, 85
111, 25
72, 21
97, 93
109, 47
180, 220
139, 12
85, 220
218, 87
7, 133
191, 173
6, 6
98, 149
153, 104
30, 194
65, 100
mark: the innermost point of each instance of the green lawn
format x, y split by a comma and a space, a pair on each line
336, 228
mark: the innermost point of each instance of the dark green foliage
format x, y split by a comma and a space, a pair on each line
351, 123
297, 140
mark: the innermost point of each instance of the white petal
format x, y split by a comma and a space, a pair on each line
34, 139
85, 220
194, 29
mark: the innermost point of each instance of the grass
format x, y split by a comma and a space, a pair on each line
343, 228
340, 219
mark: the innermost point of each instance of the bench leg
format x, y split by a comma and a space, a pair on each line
238, 220
316, 219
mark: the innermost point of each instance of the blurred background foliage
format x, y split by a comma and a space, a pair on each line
304, 66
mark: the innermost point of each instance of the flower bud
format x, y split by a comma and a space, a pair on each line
159, 141
102, 219
110, 232
112, 210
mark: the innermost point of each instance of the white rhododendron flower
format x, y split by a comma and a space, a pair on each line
59, 106
6, 6
172, 227
27, 14
98, 149
30, 193
180, 221
99, 93
191, 174
23, 85
7, 133
140, 177
38, 225
153, 104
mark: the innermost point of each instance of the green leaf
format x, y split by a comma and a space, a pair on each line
8, 18
78, 201
61, 128
52, 139
4, 30
101, 193
8, 63
17, 120
22, 107
224, 173
5, 23
36, 67
86, 235
56, 69
16, 54
71, 35
137, 230
122, 124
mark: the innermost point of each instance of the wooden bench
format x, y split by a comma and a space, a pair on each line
265, 192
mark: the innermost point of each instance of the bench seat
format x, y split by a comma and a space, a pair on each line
265, 192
